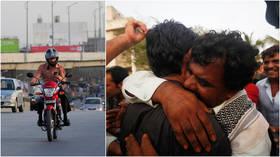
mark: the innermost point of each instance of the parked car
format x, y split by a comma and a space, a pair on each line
11, 94
92, 103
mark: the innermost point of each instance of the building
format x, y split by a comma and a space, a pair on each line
115, 25
42, 33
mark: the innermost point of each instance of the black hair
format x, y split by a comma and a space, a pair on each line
166, 44
118, 73
270, 51
238, 56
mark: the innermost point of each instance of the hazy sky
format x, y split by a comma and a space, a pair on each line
13, 15
244, 15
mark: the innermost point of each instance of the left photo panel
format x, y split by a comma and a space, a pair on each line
52, 78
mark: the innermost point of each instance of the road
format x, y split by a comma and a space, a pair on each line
21, 136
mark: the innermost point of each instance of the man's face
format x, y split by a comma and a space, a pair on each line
207, 81
111, 88
271, 66
52, 60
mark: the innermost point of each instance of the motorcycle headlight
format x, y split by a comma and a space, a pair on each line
49, 92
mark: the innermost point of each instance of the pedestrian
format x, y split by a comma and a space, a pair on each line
269, 94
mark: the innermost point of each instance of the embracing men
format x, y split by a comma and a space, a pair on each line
220, 65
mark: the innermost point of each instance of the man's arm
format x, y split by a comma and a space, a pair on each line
124, 41
144, 149
180, 106
275, 136
62, 74
37, 75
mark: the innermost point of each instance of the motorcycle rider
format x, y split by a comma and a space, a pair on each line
52, 71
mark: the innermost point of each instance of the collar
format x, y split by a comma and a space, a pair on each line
238, 94
56, 66
266, 83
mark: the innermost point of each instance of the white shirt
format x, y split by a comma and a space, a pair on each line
142, 84
253, 140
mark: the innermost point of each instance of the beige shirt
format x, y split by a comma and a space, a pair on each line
47, 73
250, 136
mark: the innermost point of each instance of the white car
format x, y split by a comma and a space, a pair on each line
11, 94
92, 103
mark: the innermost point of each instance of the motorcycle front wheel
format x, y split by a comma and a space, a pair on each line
49, 119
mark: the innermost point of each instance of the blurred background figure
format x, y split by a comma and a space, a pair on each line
269, 94
114, 77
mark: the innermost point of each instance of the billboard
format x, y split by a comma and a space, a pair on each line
9, 45
74, 48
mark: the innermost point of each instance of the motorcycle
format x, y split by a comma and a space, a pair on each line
52, 106
34, 96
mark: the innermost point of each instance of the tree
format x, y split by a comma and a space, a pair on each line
271, 40
141, 59
257, 44
136, 54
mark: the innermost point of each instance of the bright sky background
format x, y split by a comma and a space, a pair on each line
244, 15
13, 15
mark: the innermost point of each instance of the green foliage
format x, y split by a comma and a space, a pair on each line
270, 40
258, 57
141, 59
257, 44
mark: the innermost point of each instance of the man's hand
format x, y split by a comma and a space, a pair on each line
58, 78
124, 41
134, 36
111, 118
114, 149
146, 148
33, 81
187, 116
114, 118
275, 131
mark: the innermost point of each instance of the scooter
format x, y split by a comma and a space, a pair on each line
52, 106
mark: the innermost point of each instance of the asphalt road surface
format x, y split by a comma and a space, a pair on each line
20, 135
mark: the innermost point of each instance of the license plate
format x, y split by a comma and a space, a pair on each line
50, 101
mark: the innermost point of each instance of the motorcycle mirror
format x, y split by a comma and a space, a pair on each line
68, 75
30, 75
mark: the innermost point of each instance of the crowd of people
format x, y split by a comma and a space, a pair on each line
199, 98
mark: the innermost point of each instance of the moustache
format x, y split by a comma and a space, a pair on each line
271, 69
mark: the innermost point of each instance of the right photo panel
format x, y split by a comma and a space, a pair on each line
192, 78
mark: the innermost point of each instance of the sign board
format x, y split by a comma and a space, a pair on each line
74, 48
9, 45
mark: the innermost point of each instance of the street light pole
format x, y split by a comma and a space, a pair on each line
99, 13
95, 26
25, 57
69, 27
52, 27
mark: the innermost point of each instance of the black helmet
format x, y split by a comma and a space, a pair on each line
51, 53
